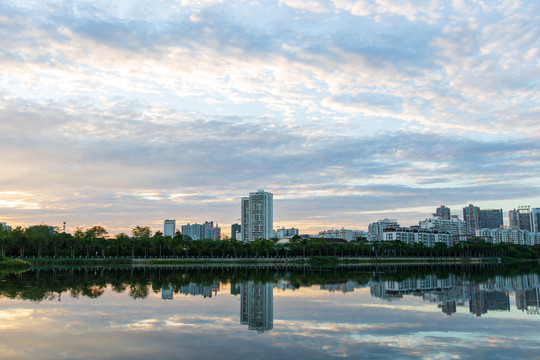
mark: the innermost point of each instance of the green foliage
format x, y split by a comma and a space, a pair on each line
141, 232
41, 241
40, 262
323, 261
13, 264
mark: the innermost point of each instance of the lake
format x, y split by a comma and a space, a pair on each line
238, 312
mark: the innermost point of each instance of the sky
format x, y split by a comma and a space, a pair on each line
125, 113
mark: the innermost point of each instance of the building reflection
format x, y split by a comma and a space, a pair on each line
528, 301
167, 293
339, 286
257, 306
453, 292
193, 289
256, 301
448, 294
196, 289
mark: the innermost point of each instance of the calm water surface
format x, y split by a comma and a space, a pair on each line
238, 313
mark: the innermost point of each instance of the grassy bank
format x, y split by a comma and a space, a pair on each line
13, 264
332, 260
201, 261
405, 261
48, 262
325, 261
317, 261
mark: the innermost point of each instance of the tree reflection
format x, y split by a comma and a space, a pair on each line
40, 285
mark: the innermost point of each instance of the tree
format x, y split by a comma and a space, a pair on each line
297, 241
234, 245
121, 241
207, 245
159, 241
20, 239
94, 236
4, 239
142, 235
39, 236
58, 240
440, 248
264, 245
77, 241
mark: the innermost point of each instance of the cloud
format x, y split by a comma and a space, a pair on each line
367, 102
412, 10
108, 161
315, 6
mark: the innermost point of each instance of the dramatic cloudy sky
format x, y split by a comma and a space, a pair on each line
124, 113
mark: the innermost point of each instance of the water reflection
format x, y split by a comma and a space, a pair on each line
257, 306
256, 301
289, 313
449, 288
167, 293
453, 292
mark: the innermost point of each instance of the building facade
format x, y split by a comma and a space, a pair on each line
454, 225
512, 236
348, 235
471, 216
285, 233
5, 226
536, 219
202, 231
194, 231
236, 228
412, 236
443, 212
491, 219
521, 218
375, 230
169, 228
257, 216
211, 231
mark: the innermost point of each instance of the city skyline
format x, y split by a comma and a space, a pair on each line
125, 113
186, 228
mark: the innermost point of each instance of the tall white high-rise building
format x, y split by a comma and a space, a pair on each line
257, 216
169, 228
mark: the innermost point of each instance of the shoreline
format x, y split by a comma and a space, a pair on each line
315, 261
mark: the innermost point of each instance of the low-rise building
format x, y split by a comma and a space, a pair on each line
285, 233
376, 229
194, 231
512, 236
236, 231
211, 231
348, 235
5, 226
427, 237
204, 231
453, 225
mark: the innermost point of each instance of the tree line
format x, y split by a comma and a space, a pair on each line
45, 241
